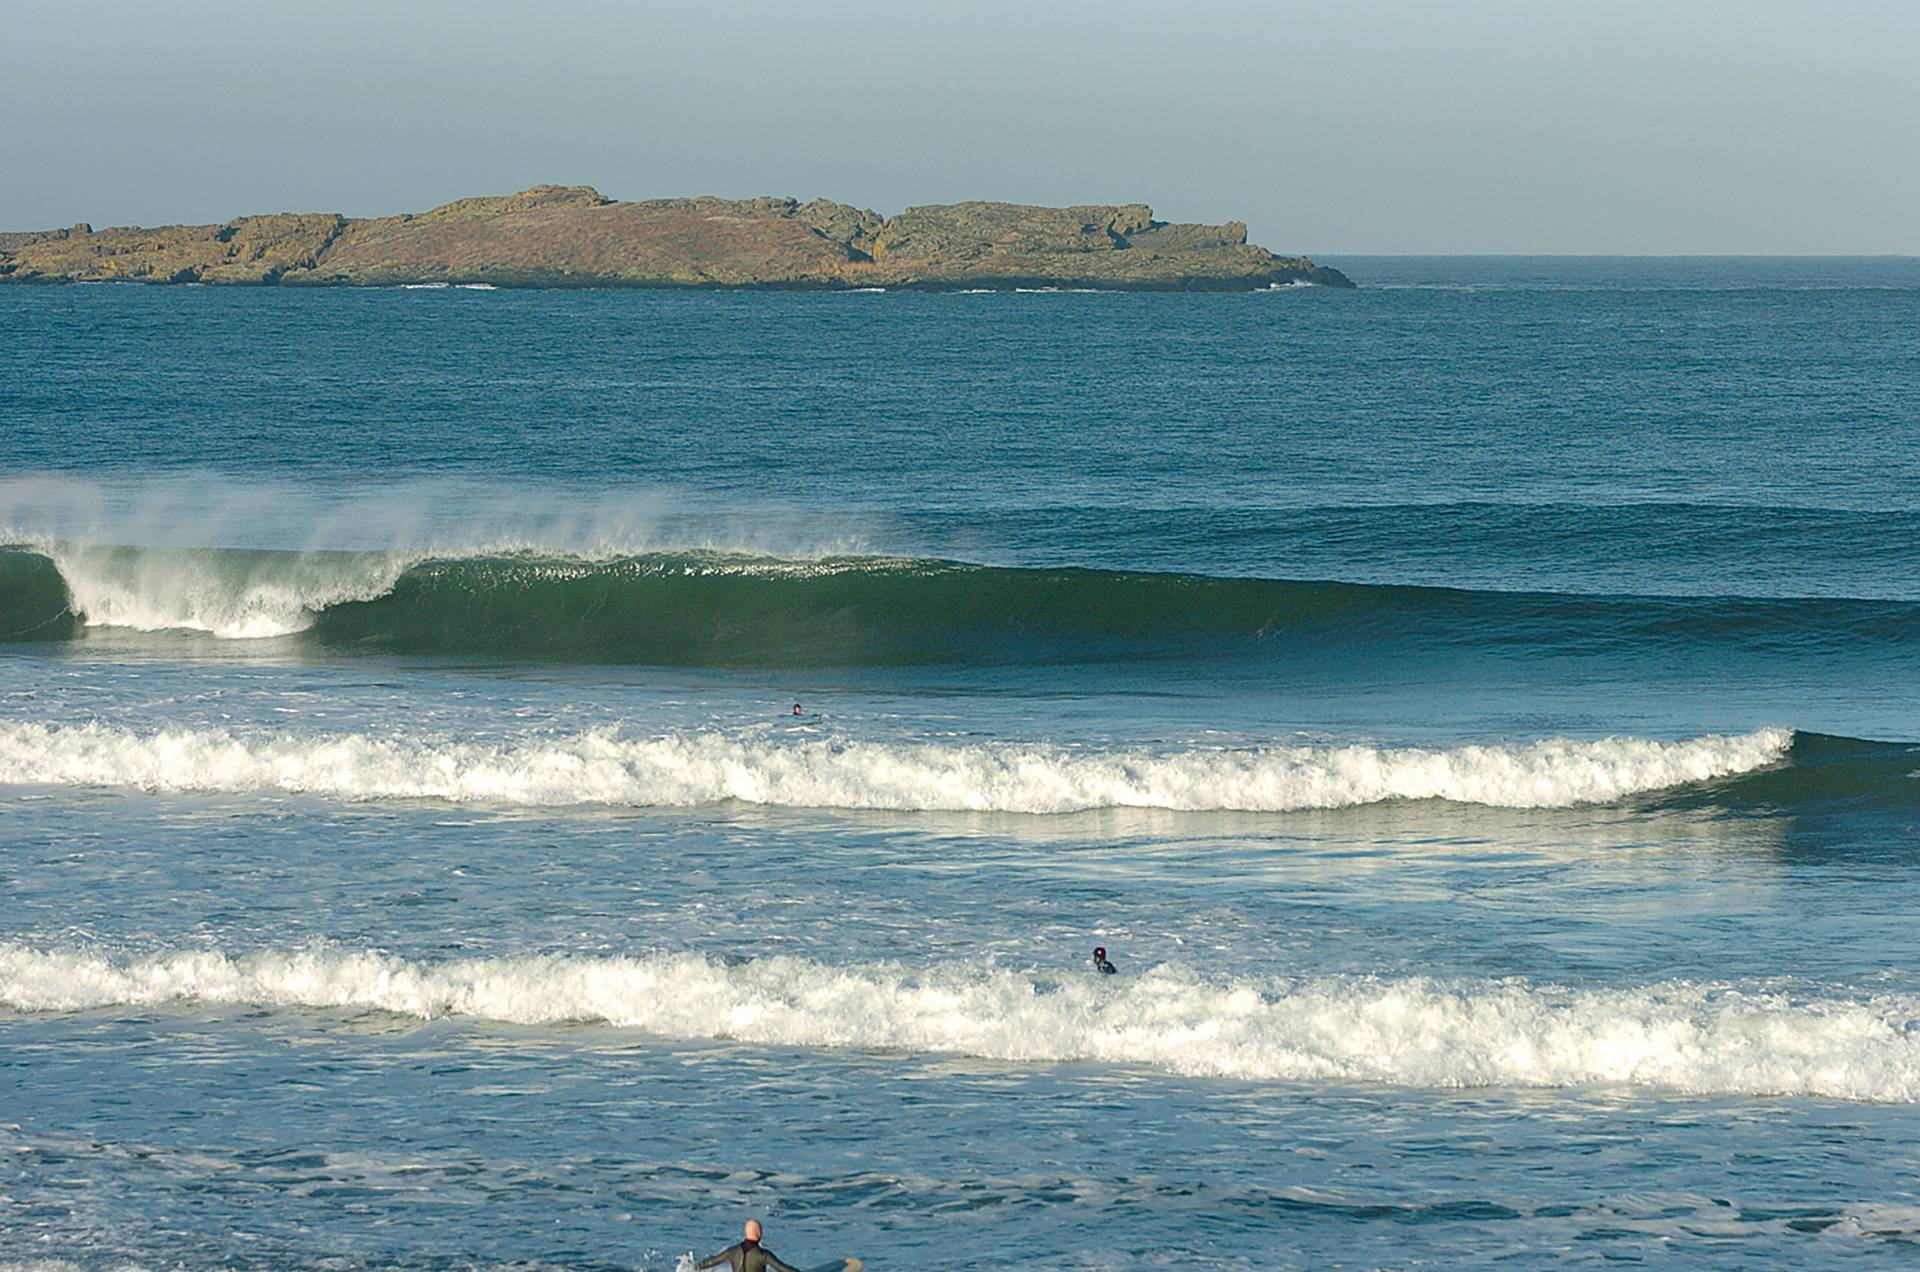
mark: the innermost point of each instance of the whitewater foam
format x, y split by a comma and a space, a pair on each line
233, 595
237, 594
1413, 1031
603, 767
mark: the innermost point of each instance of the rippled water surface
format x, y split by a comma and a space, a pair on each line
1475, 712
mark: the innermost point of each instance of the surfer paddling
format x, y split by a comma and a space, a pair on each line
1100, 963
748, 1255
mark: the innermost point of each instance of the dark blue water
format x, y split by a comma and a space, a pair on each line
1476, 711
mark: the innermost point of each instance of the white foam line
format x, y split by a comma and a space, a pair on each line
1414, 1031
238, 595
232, 595
605, 768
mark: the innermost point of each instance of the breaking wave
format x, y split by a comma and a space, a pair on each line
759, 767
230, 594
708, 609
1413, 1031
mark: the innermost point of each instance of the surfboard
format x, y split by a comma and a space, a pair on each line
839, 1265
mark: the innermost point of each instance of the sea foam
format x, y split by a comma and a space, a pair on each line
758, 767
233, 595
1413, 1031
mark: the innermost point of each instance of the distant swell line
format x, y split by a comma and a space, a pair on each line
720, 610
1413, 1031
605, 768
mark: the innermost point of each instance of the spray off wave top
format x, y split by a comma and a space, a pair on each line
709, 609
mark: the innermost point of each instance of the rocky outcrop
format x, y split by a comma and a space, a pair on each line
576, 236
253, 249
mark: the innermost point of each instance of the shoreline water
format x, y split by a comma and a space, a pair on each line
467, 894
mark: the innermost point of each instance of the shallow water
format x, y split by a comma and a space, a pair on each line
1474, 711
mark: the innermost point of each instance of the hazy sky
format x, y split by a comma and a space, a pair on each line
1349, 126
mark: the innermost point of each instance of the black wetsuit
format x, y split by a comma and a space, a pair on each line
748, 1256
1101, 965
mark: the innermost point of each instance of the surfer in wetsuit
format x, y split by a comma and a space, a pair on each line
796, 709
748, 1255
1100, 963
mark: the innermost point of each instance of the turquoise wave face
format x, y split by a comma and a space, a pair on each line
718, 610
1822, 776
34, 601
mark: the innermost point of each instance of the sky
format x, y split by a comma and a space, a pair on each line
1343, 127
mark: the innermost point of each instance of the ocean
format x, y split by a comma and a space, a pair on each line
1476, 712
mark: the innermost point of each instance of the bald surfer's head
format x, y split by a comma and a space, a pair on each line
753, 1230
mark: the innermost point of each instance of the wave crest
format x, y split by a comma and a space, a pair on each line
1415, 1031
719, 609
700, 768
232, 595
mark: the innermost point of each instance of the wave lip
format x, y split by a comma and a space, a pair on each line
1414, 1031
755, 767
720, 609
229, 594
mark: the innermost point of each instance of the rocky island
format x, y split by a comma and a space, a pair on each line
574, 236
